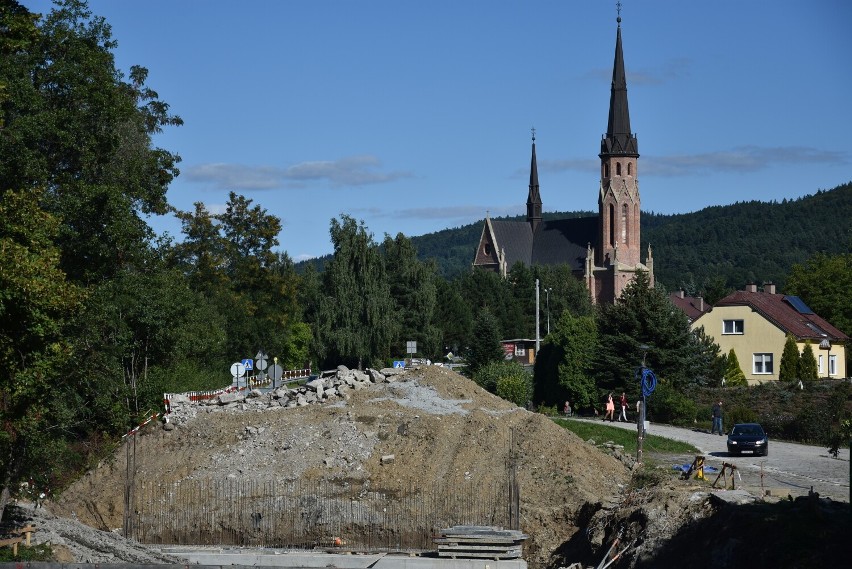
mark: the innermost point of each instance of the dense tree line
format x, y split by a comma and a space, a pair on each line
99, 316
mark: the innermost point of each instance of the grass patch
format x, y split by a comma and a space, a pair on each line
602, 433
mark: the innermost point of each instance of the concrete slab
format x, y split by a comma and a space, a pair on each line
299, 559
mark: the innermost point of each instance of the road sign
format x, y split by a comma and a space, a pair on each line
238, 369
248, 364
411, 347
399, 363
262, 361
276, 372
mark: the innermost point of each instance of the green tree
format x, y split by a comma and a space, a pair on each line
485, 345
73, 126
36, 303
644, 315
564, 368
515, 385
824, 282
788, 371
453, 316
734, 375
807, 363
355, 316
414, 291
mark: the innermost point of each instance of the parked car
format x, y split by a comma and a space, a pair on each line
748, 437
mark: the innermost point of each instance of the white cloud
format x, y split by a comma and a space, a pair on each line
350, 171
741, 159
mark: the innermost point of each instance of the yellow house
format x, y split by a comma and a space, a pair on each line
756, 324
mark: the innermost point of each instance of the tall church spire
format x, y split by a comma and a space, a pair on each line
618, 138
618, 200
534, 197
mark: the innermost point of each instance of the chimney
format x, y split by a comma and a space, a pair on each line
700, 300
769, 287
680, 293
751, 287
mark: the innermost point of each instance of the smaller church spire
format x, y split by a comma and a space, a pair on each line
534, 196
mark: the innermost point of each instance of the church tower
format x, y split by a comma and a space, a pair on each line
534, 196
618, 200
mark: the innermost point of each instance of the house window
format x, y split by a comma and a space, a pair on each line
819, 366
520, 350
733, 327
832, 365
762, 364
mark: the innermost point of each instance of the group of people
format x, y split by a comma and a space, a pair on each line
610, 408
610, 412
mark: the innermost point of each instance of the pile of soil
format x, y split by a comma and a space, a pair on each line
439, 427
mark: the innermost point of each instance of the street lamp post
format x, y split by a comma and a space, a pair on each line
641, 426
547, 296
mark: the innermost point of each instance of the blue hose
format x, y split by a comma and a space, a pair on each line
648, 380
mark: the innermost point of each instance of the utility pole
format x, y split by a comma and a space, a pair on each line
537, 335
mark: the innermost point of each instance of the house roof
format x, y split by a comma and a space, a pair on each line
692, 306
787, 313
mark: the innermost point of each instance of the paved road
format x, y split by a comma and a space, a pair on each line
790, 468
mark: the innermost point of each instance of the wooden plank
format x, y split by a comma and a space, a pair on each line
475, 540
478, 548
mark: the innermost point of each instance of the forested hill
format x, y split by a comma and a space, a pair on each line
747, 241
715, 248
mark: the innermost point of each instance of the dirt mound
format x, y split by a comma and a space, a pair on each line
437, 425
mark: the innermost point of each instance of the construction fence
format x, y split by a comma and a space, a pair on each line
302, 515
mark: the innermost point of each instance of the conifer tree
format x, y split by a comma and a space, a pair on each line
789, 369
807, 363
485, 345
734, 375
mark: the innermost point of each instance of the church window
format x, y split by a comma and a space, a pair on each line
611, 225
624, 223
487, 248
606, 169
629, 169
618, 168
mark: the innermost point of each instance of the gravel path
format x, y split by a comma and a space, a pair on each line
790, 468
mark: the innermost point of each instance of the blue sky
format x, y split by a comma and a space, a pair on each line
416, 116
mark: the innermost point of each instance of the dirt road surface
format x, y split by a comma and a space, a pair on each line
790, 469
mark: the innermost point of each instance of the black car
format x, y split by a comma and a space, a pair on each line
748, 437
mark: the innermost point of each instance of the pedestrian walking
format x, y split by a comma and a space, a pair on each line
567, 409
610, 408
623, 416
717, 418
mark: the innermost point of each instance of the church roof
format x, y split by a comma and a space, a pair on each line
557, 241
515, 239
564, 241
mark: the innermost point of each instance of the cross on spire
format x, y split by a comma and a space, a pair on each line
533, 133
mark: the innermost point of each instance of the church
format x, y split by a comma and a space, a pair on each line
603, 250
